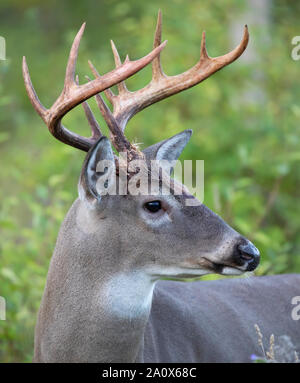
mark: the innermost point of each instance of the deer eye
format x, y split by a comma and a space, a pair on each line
153, 206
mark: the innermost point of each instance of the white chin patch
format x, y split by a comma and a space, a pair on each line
231, 271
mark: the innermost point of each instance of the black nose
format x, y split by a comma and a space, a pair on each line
250, 254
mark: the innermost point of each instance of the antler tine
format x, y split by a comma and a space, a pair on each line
121, 85
203, 52
126, 105
73, 94
71, 65
157, 71
235, 53
108, 92
118, 139
95, 128
36, 103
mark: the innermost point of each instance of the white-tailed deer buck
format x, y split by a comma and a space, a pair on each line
104, 301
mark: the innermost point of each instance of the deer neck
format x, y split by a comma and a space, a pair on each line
125, 303
95, 305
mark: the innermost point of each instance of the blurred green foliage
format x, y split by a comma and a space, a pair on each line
244, 118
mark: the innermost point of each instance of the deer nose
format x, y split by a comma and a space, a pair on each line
250, 254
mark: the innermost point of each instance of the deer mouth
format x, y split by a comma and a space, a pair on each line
227, 270
205, 266
224, 269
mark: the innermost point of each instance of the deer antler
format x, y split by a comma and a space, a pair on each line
74, 94
126, 104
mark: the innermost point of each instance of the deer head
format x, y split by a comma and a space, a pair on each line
160, 234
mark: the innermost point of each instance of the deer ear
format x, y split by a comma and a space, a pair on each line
98, 172
170, 149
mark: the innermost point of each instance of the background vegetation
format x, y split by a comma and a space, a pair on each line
245, 121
